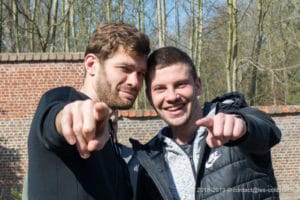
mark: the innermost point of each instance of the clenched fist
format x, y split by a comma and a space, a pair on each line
222, 128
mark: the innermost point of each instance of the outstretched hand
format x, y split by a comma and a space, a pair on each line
222, 128
84, 123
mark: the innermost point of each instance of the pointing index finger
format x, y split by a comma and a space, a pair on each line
101, 111
207, 122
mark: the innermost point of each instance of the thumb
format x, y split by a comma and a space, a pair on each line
214, 142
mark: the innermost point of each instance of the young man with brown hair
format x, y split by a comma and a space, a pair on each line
220, 151
71, 153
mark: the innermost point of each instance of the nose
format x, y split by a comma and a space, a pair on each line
172, 95
134, 80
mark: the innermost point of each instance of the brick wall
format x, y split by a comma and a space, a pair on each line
25, 77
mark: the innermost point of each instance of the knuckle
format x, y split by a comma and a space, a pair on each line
237, 135
88, 133
227, 133
88, 103
88, 130
75, 104
77, 129
217, 133
220, 115
66, 131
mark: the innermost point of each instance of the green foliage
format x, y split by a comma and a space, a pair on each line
16, 194
271, 48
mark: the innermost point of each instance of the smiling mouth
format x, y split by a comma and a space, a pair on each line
129, 94
175, 108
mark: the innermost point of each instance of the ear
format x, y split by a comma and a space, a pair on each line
198, 86
90, 61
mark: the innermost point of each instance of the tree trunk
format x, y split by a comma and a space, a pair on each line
192, 31
234, 46
73, 43
132, 11
1, 19
53, 24
229, 45
178, 35
66, 25
15, 27
143, 15
159, 23
35, 5
256, 52
138, 22
163, 22
108, 10
199, 38
121, 10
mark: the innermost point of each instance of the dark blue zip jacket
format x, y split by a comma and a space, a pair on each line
243, 169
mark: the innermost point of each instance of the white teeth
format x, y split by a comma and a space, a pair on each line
173, 108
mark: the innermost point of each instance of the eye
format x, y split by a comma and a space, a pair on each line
158, 89
125, 69
182, 85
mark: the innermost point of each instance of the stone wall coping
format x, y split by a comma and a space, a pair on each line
41, 57
271, 110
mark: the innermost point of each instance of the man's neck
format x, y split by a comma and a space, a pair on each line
185, 133
87, 91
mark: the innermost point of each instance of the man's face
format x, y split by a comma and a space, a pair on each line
173, 93
119, 79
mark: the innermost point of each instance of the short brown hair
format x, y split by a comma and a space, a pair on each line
108, 37
166, 56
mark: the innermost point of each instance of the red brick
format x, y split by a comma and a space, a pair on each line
25, 77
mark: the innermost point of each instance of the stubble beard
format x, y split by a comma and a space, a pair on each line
110, 96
